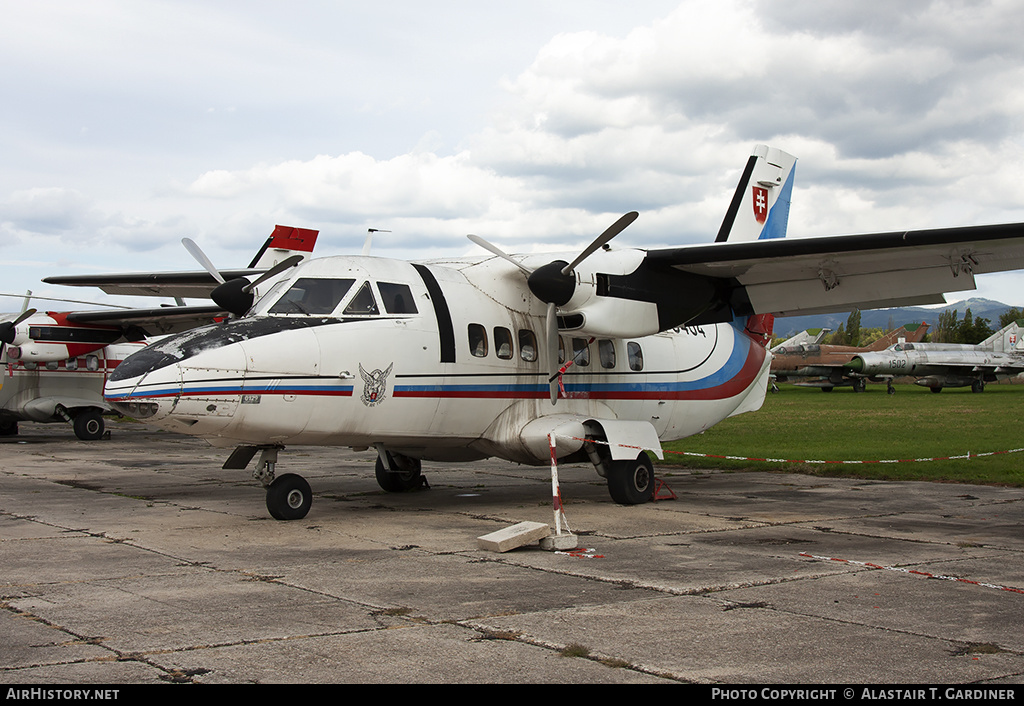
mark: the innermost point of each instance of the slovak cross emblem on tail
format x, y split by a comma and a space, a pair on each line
760, 204
374, 385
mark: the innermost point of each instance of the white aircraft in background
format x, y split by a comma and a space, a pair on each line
611, 350
939, 365
54, 364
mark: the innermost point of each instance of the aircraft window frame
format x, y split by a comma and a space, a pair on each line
635, 354
503, 346
397, 298
581, 360
317, 296
527, 345
606, 352
561, 350
362, 303
478, 344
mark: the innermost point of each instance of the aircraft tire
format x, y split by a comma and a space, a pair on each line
89, 425
402, 481
289, 497
631, 482
8, 428
936, 390
977, 386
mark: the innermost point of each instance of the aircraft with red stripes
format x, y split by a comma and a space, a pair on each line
610, 349
55, 364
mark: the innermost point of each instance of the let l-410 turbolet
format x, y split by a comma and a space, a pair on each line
609, 351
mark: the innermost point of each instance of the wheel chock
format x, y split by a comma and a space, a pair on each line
662, 491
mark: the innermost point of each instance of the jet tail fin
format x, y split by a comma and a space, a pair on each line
284, 242
1006, 339
910, 333
760, 206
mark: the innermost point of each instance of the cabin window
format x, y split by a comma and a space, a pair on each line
503, 342
397, 298
636, 356
312, 296
527, 345
580, 352
363, 303
606, 352
561, 350
478, 340
92, 363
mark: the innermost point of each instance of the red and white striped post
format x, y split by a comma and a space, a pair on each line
556, 495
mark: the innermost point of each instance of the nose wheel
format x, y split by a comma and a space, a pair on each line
289, 497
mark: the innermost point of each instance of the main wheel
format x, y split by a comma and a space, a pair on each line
977, 386
935, 390
8, 428
289, 497
403, 480
631, 482
88, 425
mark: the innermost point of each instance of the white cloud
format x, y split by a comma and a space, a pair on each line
533, 125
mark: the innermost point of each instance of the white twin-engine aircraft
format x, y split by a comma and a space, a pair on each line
611, 350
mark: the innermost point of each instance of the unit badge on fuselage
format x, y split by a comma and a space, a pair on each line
375, 385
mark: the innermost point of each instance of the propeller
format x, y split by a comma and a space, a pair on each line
554, 284
9, 329
236, 295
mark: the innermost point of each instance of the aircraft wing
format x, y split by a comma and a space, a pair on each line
836, 273
195, 285
160, 320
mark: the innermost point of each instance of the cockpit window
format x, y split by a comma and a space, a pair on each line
397, 298
362, 303
313, 296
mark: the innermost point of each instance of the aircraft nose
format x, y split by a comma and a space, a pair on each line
146, 397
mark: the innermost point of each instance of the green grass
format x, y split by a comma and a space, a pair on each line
806, 424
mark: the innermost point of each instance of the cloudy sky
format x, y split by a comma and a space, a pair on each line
126, 126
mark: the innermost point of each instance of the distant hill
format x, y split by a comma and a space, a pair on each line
787, 326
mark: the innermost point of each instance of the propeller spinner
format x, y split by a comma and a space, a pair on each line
9, 329
236, 295
554, 284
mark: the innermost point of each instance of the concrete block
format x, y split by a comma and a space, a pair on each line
515, 536
559, 542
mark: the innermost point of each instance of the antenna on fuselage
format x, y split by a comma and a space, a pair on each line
369, 237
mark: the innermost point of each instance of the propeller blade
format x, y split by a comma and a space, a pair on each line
273, 271
8, 329
551, 336
613, 230
201, 258
497, 251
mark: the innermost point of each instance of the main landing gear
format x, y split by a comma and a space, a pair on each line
399, 474
631, 482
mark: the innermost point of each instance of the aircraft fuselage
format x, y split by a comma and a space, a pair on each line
440, 361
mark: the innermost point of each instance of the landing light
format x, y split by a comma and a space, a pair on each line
137, 410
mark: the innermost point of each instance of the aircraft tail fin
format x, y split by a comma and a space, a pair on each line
284, 242
760, 207
1006, 339
910, 333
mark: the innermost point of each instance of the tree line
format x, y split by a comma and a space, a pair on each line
950, 328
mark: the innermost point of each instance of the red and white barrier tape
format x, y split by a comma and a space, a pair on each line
915, 572
966, 456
